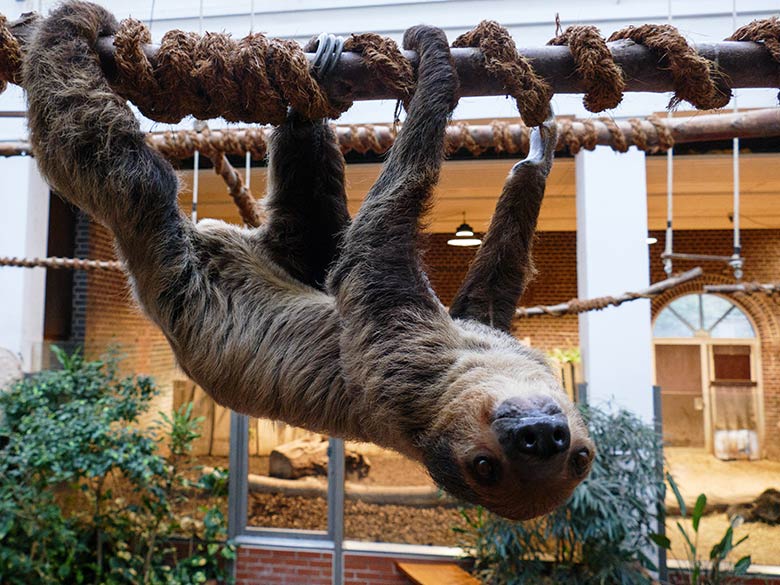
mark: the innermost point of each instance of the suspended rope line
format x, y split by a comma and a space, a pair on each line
743, 288
575, 306
64, 263
256, 78
669, 243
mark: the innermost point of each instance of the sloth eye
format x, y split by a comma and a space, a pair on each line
485, 469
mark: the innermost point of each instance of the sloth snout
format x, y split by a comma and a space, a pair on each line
540, 431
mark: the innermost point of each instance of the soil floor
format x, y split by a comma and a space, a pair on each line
724, 483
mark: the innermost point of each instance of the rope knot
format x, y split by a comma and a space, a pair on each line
515, 72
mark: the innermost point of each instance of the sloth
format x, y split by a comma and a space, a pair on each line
315, 319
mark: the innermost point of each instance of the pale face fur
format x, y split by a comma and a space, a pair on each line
313, 319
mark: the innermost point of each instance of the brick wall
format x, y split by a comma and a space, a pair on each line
556, 281
259, 566
114, 320
761, 249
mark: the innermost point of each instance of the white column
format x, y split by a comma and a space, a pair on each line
612, 258
23, 232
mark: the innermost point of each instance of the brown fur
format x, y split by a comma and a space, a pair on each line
371, 354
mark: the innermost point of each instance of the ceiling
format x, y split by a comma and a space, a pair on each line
703, 194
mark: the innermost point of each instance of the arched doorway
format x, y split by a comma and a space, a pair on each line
707, 363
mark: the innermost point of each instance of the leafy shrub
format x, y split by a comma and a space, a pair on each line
600, 535
85, 495
700, 572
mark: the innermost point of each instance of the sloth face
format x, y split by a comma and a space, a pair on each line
514, 444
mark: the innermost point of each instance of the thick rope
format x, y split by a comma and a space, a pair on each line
64, 263
10, 56
255, 79
602, 78
696, 79
499, 52
766, 31
248, 207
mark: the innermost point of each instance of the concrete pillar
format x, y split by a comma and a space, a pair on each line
612, 258
23, 232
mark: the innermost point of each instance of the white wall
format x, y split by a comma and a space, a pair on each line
23, 229
612, 258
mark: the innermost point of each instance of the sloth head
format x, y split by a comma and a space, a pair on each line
509, 438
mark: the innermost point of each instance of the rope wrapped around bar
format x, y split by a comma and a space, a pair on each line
696, 79
499, 52
602, 77
256, 78
507, 137
766, 32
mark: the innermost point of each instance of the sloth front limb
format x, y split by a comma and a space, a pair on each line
503, 264
306, 200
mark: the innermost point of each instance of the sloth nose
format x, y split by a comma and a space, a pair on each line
542, 436
540, 430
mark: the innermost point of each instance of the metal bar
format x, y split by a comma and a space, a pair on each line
698, 257
238, 470
336, 474
663, 570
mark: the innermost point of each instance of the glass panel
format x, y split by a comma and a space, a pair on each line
396, 502
732, 362
688, 308
715, 307
667, 324
736, 325
288, 483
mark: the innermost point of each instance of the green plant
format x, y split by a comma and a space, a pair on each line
85, 495
701, 573
600, 534
566, 355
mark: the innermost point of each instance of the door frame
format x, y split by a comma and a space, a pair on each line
707, 371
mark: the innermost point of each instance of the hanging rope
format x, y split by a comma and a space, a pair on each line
247, 205
696, 79
501, 58
602, 78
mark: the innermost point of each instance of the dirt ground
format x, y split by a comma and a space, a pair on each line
724, 483
369, 522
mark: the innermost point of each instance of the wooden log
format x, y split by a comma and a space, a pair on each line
310, 487
309, 457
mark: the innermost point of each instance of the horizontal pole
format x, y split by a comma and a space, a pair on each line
745, 64
378, 138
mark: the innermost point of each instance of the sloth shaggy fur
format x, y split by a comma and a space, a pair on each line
314, 319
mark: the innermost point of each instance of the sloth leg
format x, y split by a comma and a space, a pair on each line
379, 269
503, 265
306, 201
89, 146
